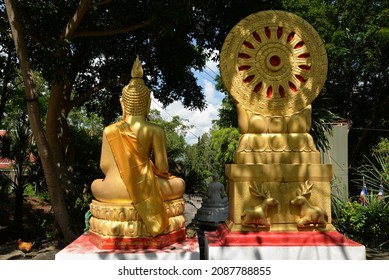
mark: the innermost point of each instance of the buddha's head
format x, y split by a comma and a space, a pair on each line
136, 95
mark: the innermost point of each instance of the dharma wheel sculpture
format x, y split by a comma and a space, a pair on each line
274, 64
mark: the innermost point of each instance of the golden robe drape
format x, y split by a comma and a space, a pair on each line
138, 174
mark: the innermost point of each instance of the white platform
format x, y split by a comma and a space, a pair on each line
287, 253
332, 245
83, 249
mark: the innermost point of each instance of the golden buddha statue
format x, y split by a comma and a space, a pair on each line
141, 193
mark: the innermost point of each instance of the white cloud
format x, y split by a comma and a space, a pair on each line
201, 120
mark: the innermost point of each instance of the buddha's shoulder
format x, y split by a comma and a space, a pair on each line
123, 126
155, 128
113, 126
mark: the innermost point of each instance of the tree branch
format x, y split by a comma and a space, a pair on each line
71, 32
101, 33
75, 20
103, 2
86, 95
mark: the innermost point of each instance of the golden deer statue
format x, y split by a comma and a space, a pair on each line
309, 214
258, 216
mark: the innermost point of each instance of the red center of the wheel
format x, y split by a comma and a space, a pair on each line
275, 60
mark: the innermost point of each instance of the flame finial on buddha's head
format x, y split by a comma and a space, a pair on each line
137, 69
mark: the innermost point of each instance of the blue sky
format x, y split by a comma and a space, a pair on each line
202, 121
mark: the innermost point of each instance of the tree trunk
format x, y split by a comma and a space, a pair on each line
57, 131
57, 195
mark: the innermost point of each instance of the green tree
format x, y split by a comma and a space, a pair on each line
7, 75
175, 130
224, 142
199, 166
228, 116
15, 104
87, 128
356, 36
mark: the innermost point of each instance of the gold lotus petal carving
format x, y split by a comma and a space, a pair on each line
278, 142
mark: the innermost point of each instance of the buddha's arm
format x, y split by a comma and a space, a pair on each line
106, 155
159, 150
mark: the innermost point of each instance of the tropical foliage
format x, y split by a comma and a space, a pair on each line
199, 165
367, 225
17, 147
175, 131
374, 171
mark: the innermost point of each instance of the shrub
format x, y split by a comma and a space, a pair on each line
368, 225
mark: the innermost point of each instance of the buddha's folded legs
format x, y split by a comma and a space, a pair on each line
114, 191
171, 188
110, 190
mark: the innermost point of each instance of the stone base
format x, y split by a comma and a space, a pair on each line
227, 245
83, 249
125, 243
208, 216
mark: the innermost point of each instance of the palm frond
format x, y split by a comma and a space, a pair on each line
375, 171
322, 124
